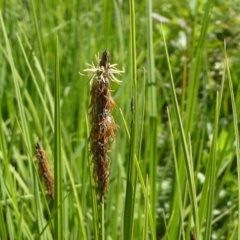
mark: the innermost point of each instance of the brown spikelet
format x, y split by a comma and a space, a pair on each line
192, 236
44, 169
103, 128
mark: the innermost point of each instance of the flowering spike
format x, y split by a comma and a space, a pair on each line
104, 128
44, 169
103, 68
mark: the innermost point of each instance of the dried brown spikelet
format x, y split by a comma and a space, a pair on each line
44, 169
103, 128
193, 236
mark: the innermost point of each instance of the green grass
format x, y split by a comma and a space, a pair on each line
175, 164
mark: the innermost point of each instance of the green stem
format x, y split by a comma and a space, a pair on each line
57, 153
102, 221
153, 113
131, 183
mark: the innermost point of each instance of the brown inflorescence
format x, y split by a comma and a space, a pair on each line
193, 236
44, 169
103, 128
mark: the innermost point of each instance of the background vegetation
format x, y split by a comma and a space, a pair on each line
184, 150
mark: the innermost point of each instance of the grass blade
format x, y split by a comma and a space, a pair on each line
58, 224
131, 182
153, 158
143, 187
211, 176
236, 132
25, 132
187, 161
177, 178
195, 74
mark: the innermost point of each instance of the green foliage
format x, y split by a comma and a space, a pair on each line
174, 165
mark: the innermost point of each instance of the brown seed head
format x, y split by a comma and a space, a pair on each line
192, 236
44, 169
103, 130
